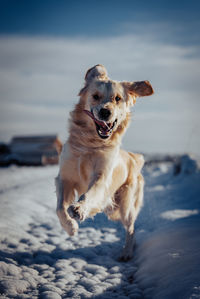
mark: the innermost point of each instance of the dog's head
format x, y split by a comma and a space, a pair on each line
106, 102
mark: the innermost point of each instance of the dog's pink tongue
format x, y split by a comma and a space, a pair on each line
99, 122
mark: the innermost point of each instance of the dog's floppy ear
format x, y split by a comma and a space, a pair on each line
96, 72
139, 88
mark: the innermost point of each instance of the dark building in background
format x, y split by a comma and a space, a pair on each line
31, 150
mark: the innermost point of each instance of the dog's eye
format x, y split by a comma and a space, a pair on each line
117, 98
96, 97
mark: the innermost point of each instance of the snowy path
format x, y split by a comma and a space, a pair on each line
39, 260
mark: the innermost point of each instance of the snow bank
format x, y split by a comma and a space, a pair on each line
39, 260
168, 255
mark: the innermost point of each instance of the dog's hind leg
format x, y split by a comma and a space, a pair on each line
65, 196
131, 199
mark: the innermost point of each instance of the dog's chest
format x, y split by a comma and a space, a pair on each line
93, 166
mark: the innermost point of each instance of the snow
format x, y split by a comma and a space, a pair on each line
178, 214
39, 260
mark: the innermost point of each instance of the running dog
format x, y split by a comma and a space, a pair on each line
106, 178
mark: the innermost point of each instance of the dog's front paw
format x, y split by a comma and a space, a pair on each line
69, 225
76, 212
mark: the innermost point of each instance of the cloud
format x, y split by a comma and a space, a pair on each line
173, 30
41, 77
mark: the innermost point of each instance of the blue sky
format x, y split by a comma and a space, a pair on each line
47, 46
105, 17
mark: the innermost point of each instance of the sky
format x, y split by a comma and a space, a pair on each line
46, 48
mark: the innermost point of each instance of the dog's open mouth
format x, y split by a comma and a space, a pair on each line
103, 128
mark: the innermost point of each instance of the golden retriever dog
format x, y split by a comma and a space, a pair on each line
92, 165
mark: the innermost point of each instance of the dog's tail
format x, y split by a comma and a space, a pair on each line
58, 146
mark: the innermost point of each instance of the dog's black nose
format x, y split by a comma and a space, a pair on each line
104, 113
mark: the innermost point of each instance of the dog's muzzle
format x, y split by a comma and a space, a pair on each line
104, 129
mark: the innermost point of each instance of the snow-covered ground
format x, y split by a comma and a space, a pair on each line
39, 260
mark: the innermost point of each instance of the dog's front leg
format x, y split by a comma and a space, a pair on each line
92, 201
65, 196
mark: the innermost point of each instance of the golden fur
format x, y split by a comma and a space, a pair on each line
91, 163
